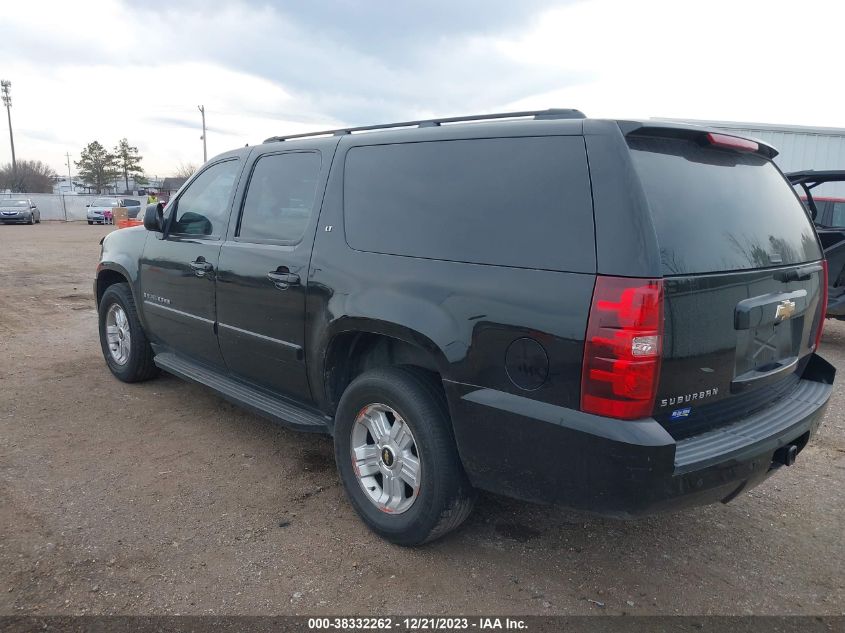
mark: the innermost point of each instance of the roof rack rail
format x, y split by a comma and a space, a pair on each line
551, 113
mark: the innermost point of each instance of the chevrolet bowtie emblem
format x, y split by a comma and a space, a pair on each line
785, 309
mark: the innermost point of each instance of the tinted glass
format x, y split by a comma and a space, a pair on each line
522, 202
203, 209
838, 216
105, 202
280, 197
717, 210
131, 203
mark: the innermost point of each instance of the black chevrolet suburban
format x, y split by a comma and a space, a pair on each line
618, 316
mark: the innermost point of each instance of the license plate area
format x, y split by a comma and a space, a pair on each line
770, 333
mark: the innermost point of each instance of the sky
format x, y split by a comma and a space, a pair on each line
107, 69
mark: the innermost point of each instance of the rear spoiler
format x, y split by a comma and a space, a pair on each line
703, 135
810, 178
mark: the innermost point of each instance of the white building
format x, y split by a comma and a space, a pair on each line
800, 147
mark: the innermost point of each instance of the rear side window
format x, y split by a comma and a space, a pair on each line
280, 197
717, 210
522, 202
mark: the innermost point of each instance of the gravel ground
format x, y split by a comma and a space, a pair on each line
161, 498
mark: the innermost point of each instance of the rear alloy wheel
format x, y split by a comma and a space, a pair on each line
124, 343
397, 458
386, 459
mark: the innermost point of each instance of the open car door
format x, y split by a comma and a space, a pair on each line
831, 237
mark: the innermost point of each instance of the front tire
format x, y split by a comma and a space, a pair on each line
122, 339
397, 458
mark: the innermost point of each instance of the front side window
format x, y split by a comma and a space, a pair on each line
203, 209
280, 197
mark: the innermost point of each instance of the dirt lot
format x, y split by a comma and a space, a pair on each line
161, 498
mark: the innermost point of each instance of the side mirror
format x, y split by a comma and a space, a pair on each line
154, 218
87, 205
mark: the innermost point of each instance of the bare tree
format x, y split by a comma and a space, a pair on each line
32, 176
185, 170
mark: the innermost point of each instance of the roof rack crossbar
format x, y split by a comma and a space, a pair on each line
552, 113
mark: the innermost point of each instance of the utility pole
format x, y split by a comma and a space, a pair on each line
69, 177
201, 108
5, 84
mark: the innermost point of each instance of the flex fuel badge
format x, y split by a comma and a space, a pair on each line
678, 414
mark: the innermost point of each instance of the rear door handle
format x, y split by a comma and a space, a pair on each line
201, 267
282, 278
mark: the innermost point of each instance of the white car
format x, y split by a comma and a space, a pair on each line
99, 211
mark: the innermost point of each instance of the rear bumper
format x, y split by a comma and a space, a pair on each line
540, 452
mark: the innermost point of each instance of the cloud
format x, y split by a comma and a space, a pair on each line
184, 122
110, 68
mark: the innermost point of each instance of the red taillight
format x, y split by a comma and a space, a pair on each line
622, 348
732, 142
823, 303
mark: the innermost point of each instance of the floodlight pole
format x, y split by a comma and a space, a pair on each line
5, 84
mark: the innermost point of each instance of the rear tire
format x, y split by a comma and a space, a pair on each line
132, 362
443, 497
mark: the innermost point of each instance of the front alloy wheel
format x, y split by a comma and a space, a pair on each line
118, 334
124, 343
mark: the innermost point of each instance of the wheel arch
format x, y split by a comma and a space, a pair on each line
108, 275
357, 345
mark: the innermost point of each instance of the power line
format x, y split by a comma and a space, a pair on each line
5, 84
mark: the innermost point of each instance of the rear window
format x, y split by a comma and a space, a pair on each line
521, 202
717, 210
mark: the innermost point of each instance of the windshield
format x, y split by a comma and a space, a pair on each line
715, 210
14, 203
104, 202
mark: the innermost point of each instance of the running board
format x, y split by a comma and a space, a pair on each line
256, 400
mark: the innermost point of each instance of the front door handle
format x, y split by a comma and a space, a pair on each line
201, 267
282, 278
